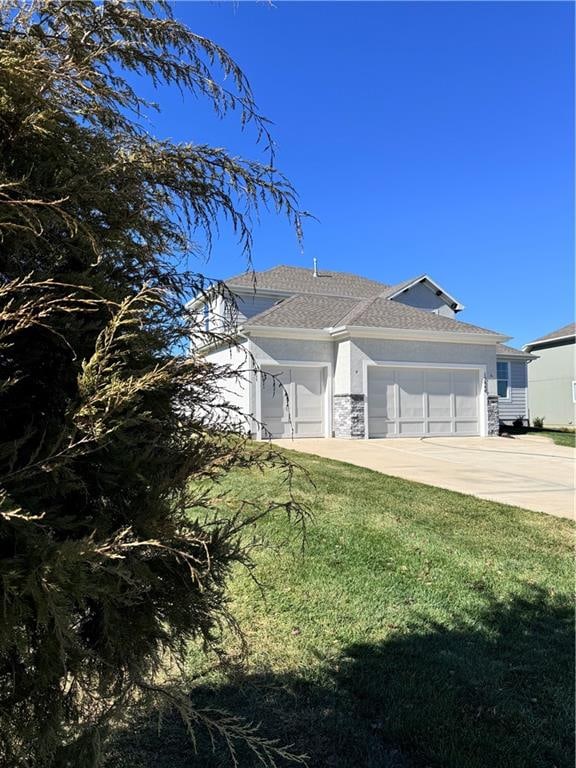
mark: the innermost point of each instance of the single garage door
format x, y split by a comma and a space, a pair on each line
293, 401
405, 402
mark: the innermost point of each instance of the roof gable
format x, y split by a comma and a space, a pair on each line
395, 291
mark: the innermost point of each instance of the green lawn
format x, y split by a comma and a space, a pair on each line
560, 438
419, 627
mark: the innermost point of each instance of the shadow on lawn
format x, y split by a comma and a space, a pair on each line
495, 693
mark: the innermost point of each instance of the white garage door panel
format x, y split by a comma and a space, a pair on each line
440, 427
439, 400
466, 398
410, 428
413, 402
410, 387
298, 409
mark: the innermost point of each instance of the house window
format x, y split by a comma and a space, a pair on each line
503, 376
574, 391
206, 314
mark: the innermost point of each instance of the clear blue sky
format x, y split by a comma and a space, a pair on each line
426, 137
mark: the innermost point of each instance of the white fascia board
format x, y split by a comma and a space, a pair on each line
410, 334
546, 342
437, 286
278, 332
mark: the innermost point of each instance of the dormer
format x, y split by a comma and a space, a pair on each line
425, 293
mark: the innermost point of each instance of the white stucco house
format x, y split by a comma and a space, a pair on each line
360, 359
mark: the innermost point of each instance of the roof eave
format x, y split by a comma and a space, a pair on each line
517, 356
423, 334
545, 342
346, 331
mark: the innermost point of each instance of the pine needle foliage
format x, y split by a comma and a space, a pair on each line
115, 542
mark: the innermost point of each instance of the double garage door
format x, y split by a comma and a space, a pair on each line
293, 401
405, 402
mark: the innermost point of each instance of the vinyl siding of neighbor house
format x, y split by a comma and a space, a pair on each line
515, 406
421, 297
550, 380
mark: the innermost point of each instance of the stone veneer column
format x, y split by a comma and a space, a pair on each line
493, 416
349, 416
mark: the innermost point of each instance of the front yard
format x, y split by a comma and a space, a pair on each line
418, 627
567, 438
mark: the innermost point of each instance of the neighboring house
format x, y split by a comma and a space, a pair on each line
358, 358
552, 377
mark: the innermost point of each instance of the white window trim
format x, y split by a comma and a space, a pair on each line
482, 394
574, 391
294, 364
508, 397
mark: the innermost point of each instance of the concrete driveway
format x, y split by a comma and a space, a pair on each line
525, 471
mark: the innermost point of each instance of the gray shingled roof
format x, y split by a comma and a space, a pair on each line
382, 313
566, 330
305, 312
330, 311
504, 351
302, 280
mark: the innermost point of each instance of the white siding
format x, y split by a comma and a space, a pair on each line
515, 407
235, 391
267, 351
342, 368
219, 315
